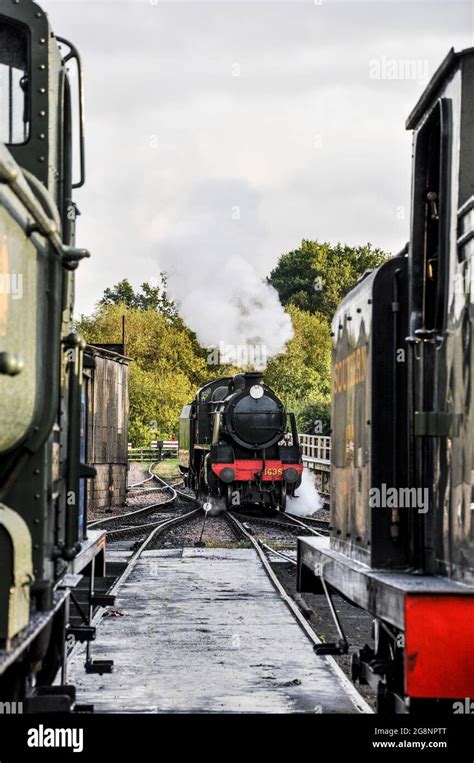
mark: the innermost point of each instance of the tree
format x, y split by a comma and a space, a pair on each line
122, 293
153, 296
317, 276
315, 418
302, 374
168, 365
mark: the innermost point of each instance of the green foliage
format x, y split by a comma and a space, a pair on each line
315, 418
152, 297
139, 434
317, 276
302, 374
121, 293
167, 365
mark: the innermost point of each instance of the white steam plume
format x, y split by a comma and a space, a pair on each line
220, 293
307, 500
230, 304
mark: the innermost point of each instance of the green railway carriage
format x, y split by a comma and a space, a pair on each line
42, 522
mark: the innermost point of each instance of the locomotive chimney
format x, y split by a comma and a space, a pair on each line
246, 380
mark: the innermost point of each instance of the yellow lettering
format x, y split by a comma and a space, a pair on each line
350, 371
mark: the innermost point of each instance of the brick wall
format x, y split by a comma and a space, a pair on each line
108, 488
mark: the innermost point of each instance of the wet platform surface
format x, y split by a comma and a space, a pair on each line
203, 630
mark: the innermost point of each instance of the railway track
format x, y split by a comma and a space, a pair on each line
132, 523
243, 531
157, 529
262, 550
286, 521
121, 522
291, 524
195, 632
155, 593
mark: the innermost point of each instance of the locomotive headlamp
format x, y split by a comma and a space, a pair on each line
227, 474
290, 475
256, 391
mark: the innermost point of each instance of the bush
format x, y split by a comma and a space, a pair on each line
139, 434
314, 418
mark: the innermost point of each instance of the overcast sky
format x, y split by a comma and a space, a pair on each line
246, 126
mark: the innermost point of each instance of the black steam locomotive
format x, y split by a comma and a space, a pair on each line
42, 498
234, 447
402, 529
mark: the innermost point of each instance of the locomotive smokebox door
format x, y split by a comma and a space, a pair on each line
16, 573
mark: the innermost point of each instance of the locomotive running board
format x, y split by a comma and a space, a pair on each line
37, 622
380, 592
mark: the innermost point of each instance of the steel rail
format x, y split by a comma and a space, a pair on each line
359, 702
143, 509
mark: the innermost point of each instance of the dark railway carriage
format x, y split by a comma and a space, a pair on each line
369, 414
402, 533
234, 446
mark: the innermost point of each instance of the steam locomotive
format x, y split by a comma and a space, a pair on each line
42, 498
234, 447
402, 464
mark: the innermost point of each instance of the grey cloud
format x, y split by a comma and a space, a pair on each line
303, 139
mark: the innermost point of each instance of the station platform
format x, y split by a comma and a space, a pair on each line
202, 630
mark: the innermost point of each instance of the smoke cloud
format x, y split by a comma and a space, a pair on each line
220, 291
307, 500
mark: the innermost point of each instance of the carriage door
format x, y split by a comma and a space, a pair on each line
429, 265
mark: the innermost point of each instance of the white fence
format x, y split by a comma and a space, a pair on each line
155, 451
316, 453
315, 447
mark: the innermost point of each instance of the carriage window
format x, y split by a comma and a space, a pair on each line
13, 84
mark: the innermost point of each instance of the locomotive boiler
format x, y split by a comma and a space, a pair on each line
234, 446
402, 531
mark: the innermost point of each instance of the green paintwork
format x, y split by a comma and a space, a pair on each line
16, 573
